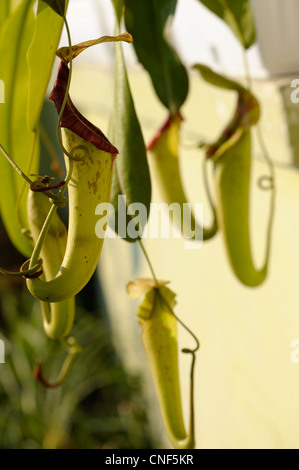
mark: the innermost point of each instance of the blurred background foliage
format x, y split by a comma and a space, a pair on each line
100, 405
246, 386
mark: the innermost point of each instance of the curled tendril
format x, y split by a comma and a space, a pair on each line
184, 350
266, 183
187, 351
74, 149
34, 271
73, 349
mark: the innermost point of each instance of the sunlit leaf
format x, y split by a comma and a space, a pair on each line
64, 54
118, 7
4, 11
41, 57
237, 15
57, 5
218, 80
148, 21
14, 134
131, 176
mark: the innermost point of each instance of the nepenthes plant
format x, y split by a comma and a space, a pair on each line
98, 169
63, 260
231, 154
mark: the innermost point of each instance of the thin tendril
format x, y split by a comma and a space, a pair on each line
24, 272
39, 244
278, 164
184, 350
207, 188
21, 193
183, 325
165, 301
73, 349
148, 261
193, 353
267, 160
247, 71
49, 194
14, 165
58, 133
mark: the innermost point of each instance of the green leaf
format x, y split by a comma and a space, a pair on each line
41, 56
131, 173
237, 15
218, 80
118, 7
14, 134
248, 108
58, 6
148, 21
247, 112
64, 52
4, 11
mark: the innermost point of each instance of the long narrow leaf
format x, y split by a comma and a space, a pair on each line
148, 22
58, 6
131, 173
14, 134
237, 15
41, 55
218, 80
118, 7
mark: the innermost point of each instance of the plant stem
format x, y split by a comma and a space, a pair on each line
164, 300
39, 244
14, 165
21, 193
58, 134
267, 160
148, 261
24, 272
185, 350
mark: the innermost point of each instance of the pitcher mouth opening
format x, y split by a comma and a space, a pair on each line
72, 119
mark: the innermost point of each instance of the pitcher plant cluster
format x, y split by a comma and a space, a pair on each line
99, 171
